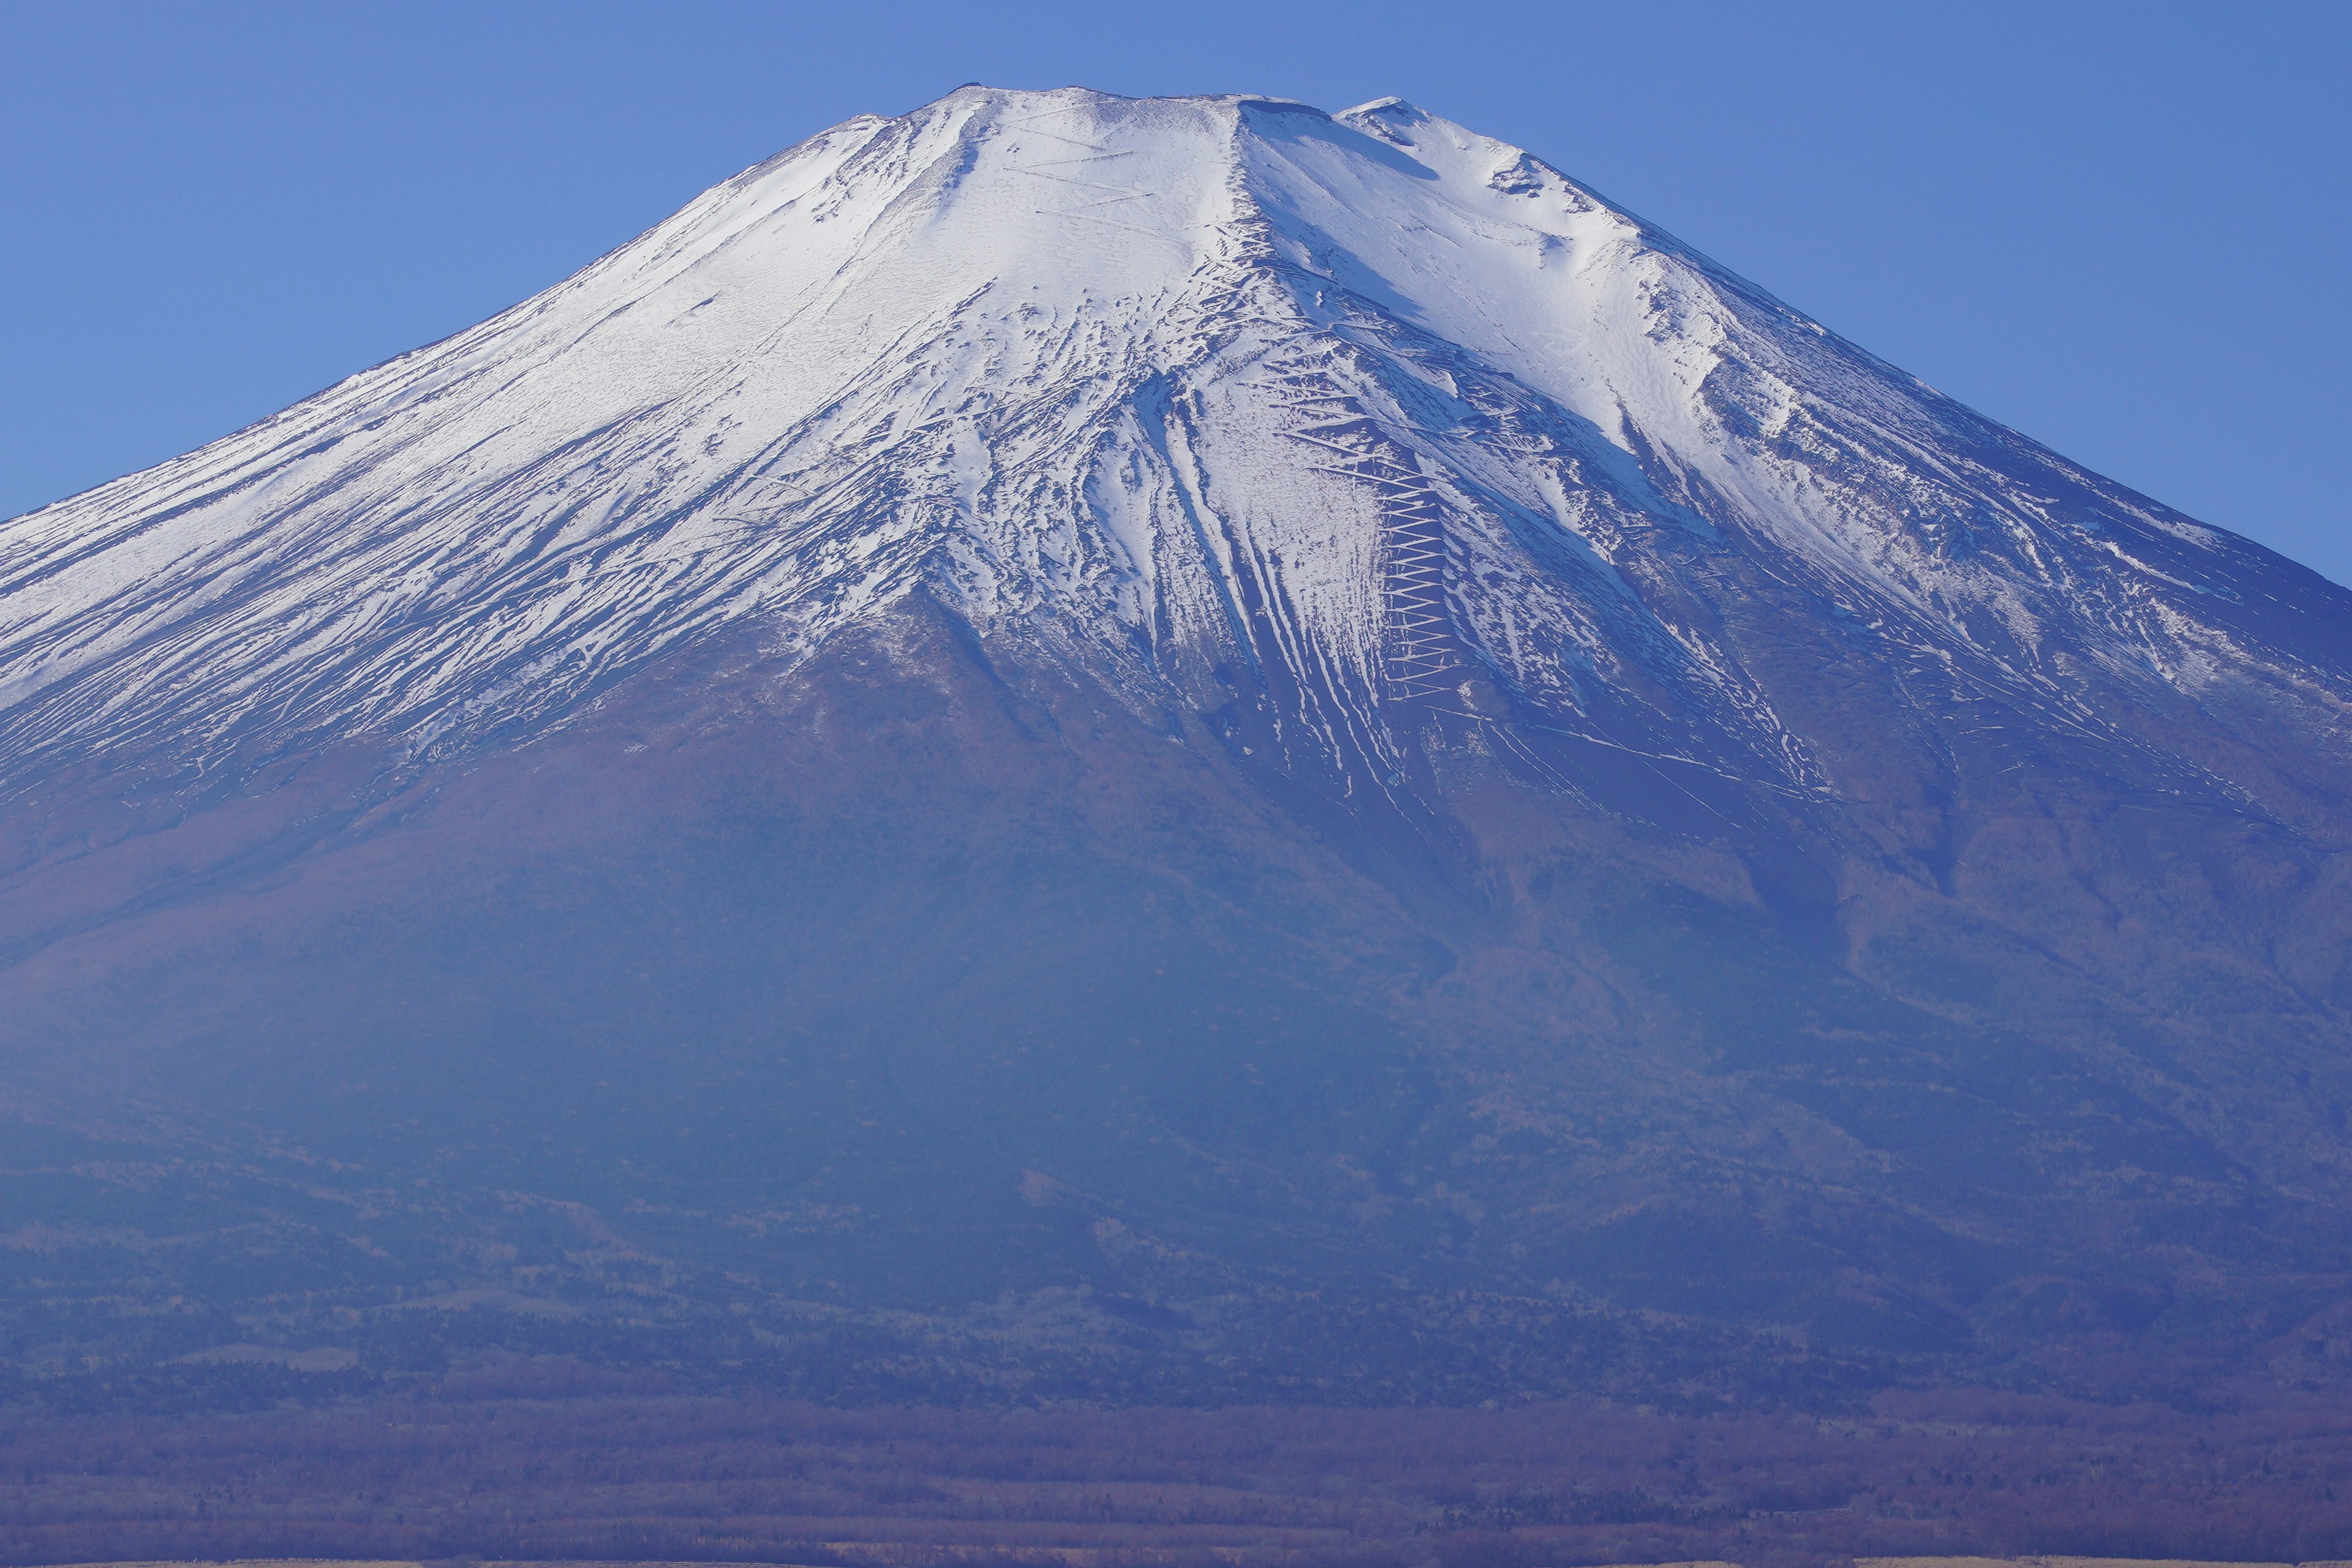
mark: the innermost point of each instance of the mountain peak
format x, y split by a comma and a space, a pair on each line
1249, 735
1385, 110
1101, 372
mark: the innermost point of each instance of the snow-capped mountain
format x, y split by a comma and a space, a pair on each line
1371, 399
1200, 700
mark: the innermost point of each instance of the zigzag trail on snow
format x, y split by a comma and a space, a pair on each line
1392, 414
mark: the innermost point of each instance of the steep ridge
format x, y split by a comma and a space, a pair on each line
1004, 346
1286, 722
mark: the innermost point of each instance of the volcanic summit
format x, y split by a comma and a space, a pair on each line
1078, 744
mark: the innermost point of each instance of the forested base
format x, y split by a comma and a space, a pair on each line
1048, 1347
532, 1463
919, 1024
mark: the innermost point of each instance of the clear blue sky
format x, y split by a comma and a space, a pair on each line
2121, 228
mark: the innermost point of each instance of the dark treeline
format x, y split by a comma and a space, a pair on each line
534, 1464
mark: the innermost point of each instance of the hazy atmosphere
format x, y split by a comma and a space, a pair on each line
1297, 787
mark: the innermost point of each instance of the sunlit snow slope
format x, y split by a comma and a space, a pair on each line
1169, 749
1392, 407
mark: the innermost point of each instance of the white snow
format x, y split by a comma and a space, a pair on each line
1104, 373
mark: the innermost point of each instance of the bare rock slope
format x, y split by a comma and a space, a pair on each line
1181, 749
